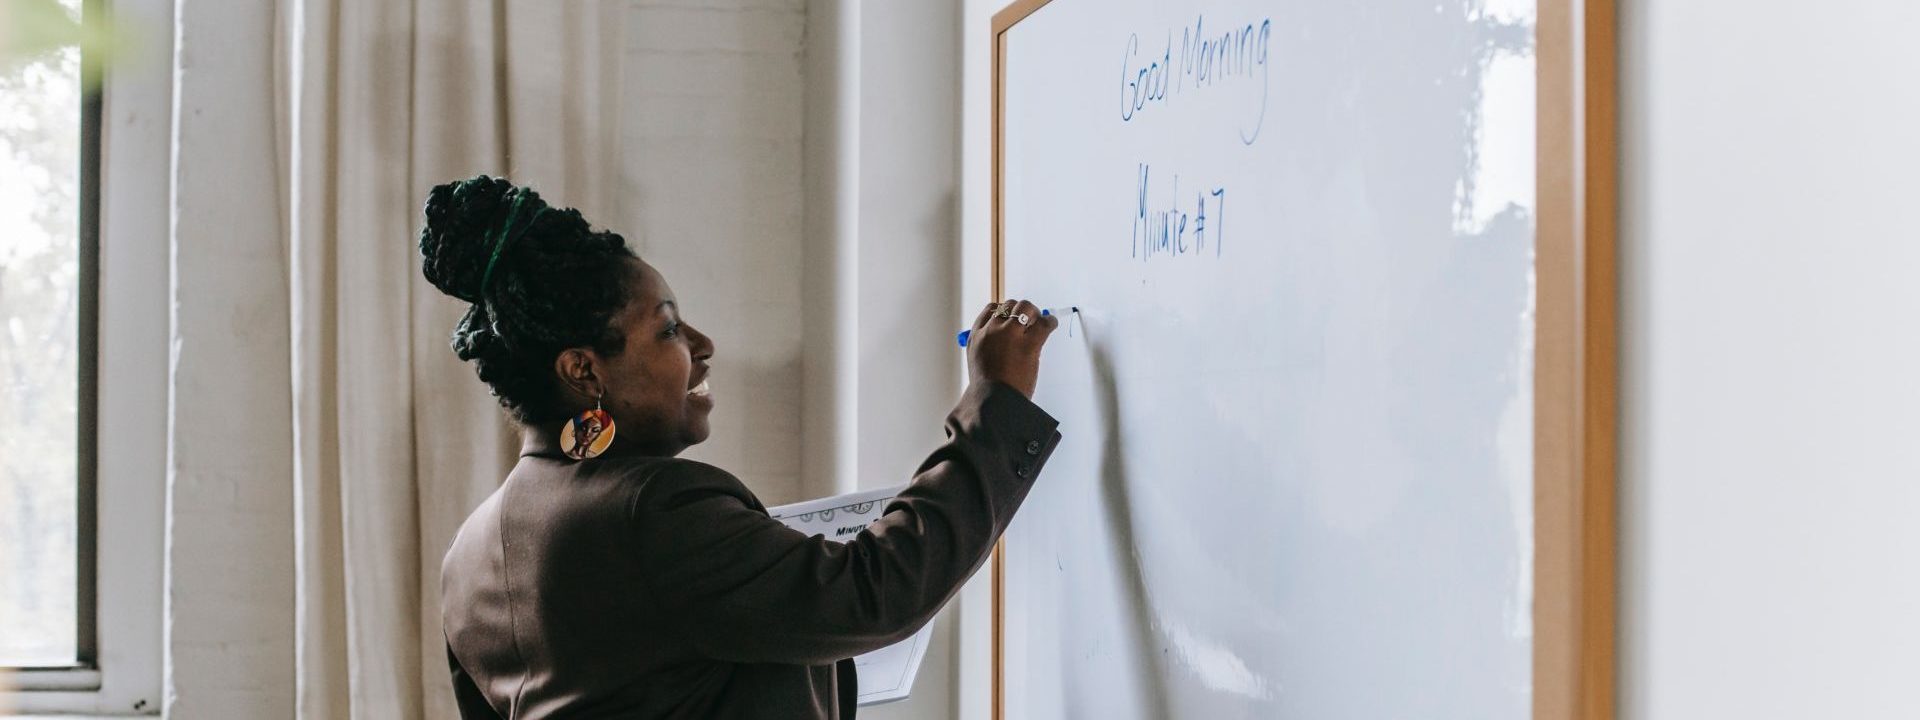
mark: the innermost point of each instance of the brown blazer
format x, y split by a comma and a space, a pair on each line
660, 588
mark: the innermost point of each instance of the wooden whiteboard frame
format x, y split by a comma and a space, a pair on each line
1575, 403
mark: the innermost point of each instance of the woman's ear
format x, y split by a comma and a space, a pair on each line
575, 367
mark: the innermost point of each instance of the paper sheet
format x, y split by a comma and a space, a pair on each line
886, 674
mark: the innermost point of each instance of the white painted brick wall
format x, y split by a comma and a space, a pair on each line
229, 569
712, 101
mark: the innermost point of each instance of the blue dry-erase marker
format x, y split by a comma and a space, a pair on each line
964, 334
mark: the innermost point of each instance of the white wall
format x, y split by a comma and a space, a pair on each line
1770, 513
898, 105
909, 99
909, 366
974, 647
228, 635
714, 96
830, 264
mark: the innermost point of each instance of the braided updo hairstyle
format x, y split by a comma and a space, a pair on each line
555, 284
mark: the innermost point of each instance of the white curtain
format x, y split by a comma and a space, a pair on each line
395, 439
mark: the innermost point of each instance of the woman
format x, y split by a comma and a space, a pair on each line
605, 577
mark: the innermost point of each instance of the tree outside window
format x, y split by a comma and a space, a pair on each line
40, 344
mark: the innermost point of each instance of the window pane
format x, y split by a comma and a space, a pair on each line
40, 115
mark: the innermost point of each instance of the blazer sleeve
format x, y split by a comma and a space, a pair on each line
745, 588
466, 694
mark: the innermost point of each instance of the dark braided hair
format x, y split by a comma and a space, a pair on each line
555, 284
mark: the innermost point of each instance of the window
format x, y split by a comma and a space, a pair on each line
83, 359
45, 342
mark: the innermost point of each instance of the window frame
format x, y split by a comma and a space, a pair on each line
126, 130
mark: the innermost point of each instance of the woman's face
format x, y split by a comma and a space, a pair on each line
657, 387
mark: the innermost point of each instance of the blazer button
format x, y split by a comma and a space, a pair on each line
1020, 471
1033, 448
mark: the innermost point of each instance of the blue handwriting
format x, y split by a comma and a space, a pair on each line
1170, 230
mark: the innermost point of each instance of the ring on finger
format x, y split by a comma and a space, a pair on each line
1023, 318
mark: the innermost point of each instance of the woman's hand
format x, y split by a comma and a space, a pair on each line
1002, 349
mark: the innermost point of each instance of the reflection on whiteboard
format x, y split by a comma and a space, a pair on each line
1296, 472
885, 675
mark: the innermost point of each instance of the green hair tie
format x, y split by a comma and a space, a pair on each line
501, 238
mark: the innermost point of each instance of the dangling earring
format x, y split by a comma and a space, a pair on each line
587, 434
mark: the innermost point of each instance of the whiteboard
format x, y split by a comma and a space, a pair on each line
1297, 473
